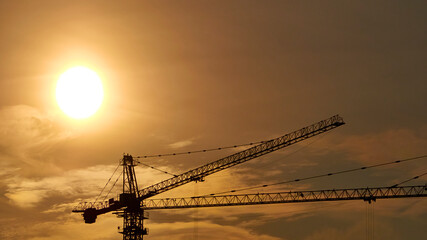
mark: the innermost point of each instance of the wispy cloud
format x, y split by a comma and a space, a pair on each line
23, 128
78, 184
28, 138
27, 192
205, 230
391, 144
181, 144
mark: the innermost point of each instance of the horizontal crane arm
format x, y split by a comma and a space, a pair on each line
91, 210
243, 156
367, 194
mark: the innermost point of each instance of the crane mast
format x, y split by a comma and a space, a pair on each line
129, 203
133, 215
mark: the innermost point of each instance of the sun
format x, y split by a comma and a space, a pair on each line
79, 92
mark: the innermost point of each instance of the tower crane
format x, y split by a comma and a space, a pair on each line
133, 202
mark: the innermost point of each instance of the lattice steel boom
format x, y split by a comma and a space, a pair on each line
199, 173
128, 205
367, 194
243, 156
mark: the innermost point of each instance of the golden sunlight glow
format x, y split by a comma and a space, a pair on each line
79, 92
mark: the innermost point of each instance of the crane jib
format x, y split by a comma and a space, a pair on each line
243, 156
132, 204
366, 194
92, 209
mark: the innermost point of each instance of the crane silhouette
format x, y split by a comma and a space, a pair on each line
133, 202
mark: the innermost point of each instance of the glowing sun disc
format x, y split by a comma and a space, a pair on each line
79, 92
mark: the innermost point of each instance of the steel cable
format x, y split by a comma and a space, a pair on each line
199, 151
158, 169
107, 183
326, 175
112, 186
412, 178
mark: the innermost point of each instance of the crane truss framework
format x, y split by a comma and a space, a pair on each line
199, 173
133, 215
366, 194
243, 156
129, 203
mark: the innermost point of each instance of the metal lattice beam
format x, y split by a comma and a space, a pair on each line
243, 156
367, 194
94, 209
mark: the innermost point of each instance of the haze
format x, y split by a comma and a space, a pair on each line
189, 75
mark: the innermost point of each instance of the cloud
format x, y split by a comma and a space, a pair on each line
203, 230
75, 185
388, 145
375, 147
23, 128
408, 208
28, 138
71, 227
359, 230
79, 184
6, 170
181, 144
56, 193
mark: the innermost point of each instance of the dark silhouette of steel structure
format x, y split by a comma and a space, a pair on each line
132, 202
366, 194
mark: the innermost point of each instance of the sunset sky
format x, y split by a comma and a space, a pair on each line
190, 75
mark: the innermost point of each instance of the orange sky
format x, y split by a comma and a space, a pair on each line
189, 75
